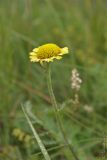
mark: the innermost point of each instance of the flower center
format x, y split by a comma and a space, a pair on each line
48, 51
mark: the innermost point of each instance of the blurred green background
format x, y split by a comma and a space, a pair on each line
80, 25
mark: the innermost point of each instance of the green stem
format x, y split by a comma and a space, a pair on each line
58, 117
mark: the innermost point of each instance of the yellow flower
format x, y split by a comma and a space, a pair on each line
27, 138
16, 132
47, 52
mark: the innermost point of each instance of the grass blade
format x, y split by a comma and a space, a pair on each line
41, 145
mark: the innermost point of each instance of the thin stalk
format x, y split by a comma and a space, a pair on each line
41, 145
58, 117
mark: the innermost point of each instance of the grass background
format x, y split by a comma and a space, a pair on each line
82, 26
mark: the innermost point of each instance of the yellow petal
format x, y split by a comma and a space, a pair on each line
35, 49
33, 59
48, 60
41, 62
58, 57
51, 59
32, 53
64, 51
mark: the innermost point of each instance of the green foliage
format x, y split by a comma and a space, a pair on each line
80, 25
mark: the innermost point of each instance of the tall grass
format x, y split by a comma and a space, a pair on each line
80, 25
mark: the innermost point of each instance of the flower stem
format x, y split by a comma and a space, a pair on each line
58, 117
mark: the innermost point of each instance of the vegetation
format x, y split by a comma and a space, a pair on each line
82, 27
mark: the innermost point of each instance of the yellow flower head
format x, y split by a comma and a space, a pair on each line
47, 52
